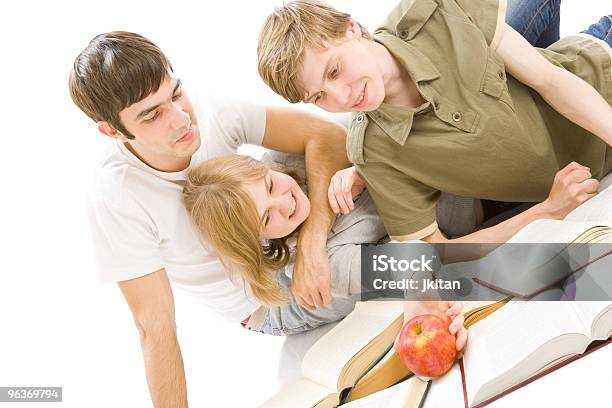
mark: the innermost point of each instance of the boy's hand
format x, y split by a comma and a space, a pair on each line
572, 186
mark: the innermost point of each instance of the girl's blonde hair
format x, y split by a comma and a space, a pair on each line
227, 217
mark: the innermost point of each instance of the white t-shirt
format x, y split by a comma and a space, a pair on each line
140, 224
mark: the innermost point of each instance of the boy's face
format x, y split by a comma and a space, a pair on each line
343, 77
164, 126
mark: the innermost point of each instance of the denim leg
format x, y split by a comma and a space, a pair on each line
292, 318
536, 20
601, 29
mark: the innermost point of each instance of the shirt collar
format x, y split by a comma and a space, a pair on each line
396, 121
414, 61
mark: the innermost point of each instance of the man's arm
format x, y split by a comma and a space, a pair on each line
572, 186
152, 305
322, 142
567, 93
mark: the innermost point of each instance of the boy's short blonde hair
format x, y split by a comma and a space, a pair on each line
284, 36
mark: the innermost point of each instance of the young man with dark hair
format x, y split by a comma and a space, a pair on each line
142, 233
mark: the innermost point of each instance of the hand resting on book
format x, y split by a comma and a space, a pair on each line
573, 185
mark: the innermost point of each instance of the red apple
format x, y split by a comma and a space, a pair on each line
426, 346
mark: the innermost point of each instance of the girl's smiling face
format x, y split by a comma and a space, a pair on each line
281, 204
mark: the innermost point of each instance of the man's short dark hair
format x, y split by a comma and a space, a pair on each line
116, 70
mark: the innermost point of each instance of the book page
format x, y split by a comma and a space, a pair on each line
391, 397
597, 316
383, 362
554, 231
593, 234
602, 329
603, 237
390, 369
597, 209
413, 397
493, 348
325, 360
469, 305
302, 394
593, 282
446, 391
515, 269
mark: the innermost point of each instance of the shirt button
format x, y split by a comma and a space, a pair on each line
457, 116
403, 34
500, 74
359, 118
436, 105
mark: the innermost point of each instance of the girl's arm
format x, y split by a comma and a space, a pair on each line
565, 92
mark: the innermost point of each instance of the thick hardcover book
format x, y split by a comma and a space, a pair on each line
524, 341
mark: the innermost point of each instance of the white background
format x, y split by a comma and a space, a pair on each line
58, 326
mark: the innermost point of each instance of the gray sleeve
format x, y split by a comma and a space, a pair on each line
363, 225
295, 162
345, 266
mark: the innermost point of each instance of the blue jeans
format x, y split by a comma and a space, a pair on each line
293, 318
601, 29
536, 20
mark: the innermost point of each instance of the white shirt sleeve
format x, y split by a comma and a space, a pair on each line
231, 124
125, 243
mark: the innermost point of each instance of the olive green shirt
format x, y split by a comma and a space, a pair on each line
481, 133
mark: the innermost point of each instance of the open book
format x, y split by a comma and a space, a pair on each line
406, 394
551, 334
349, 355
445, 391
589, 223
348, 358
390, 369
337, 360
568, 248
